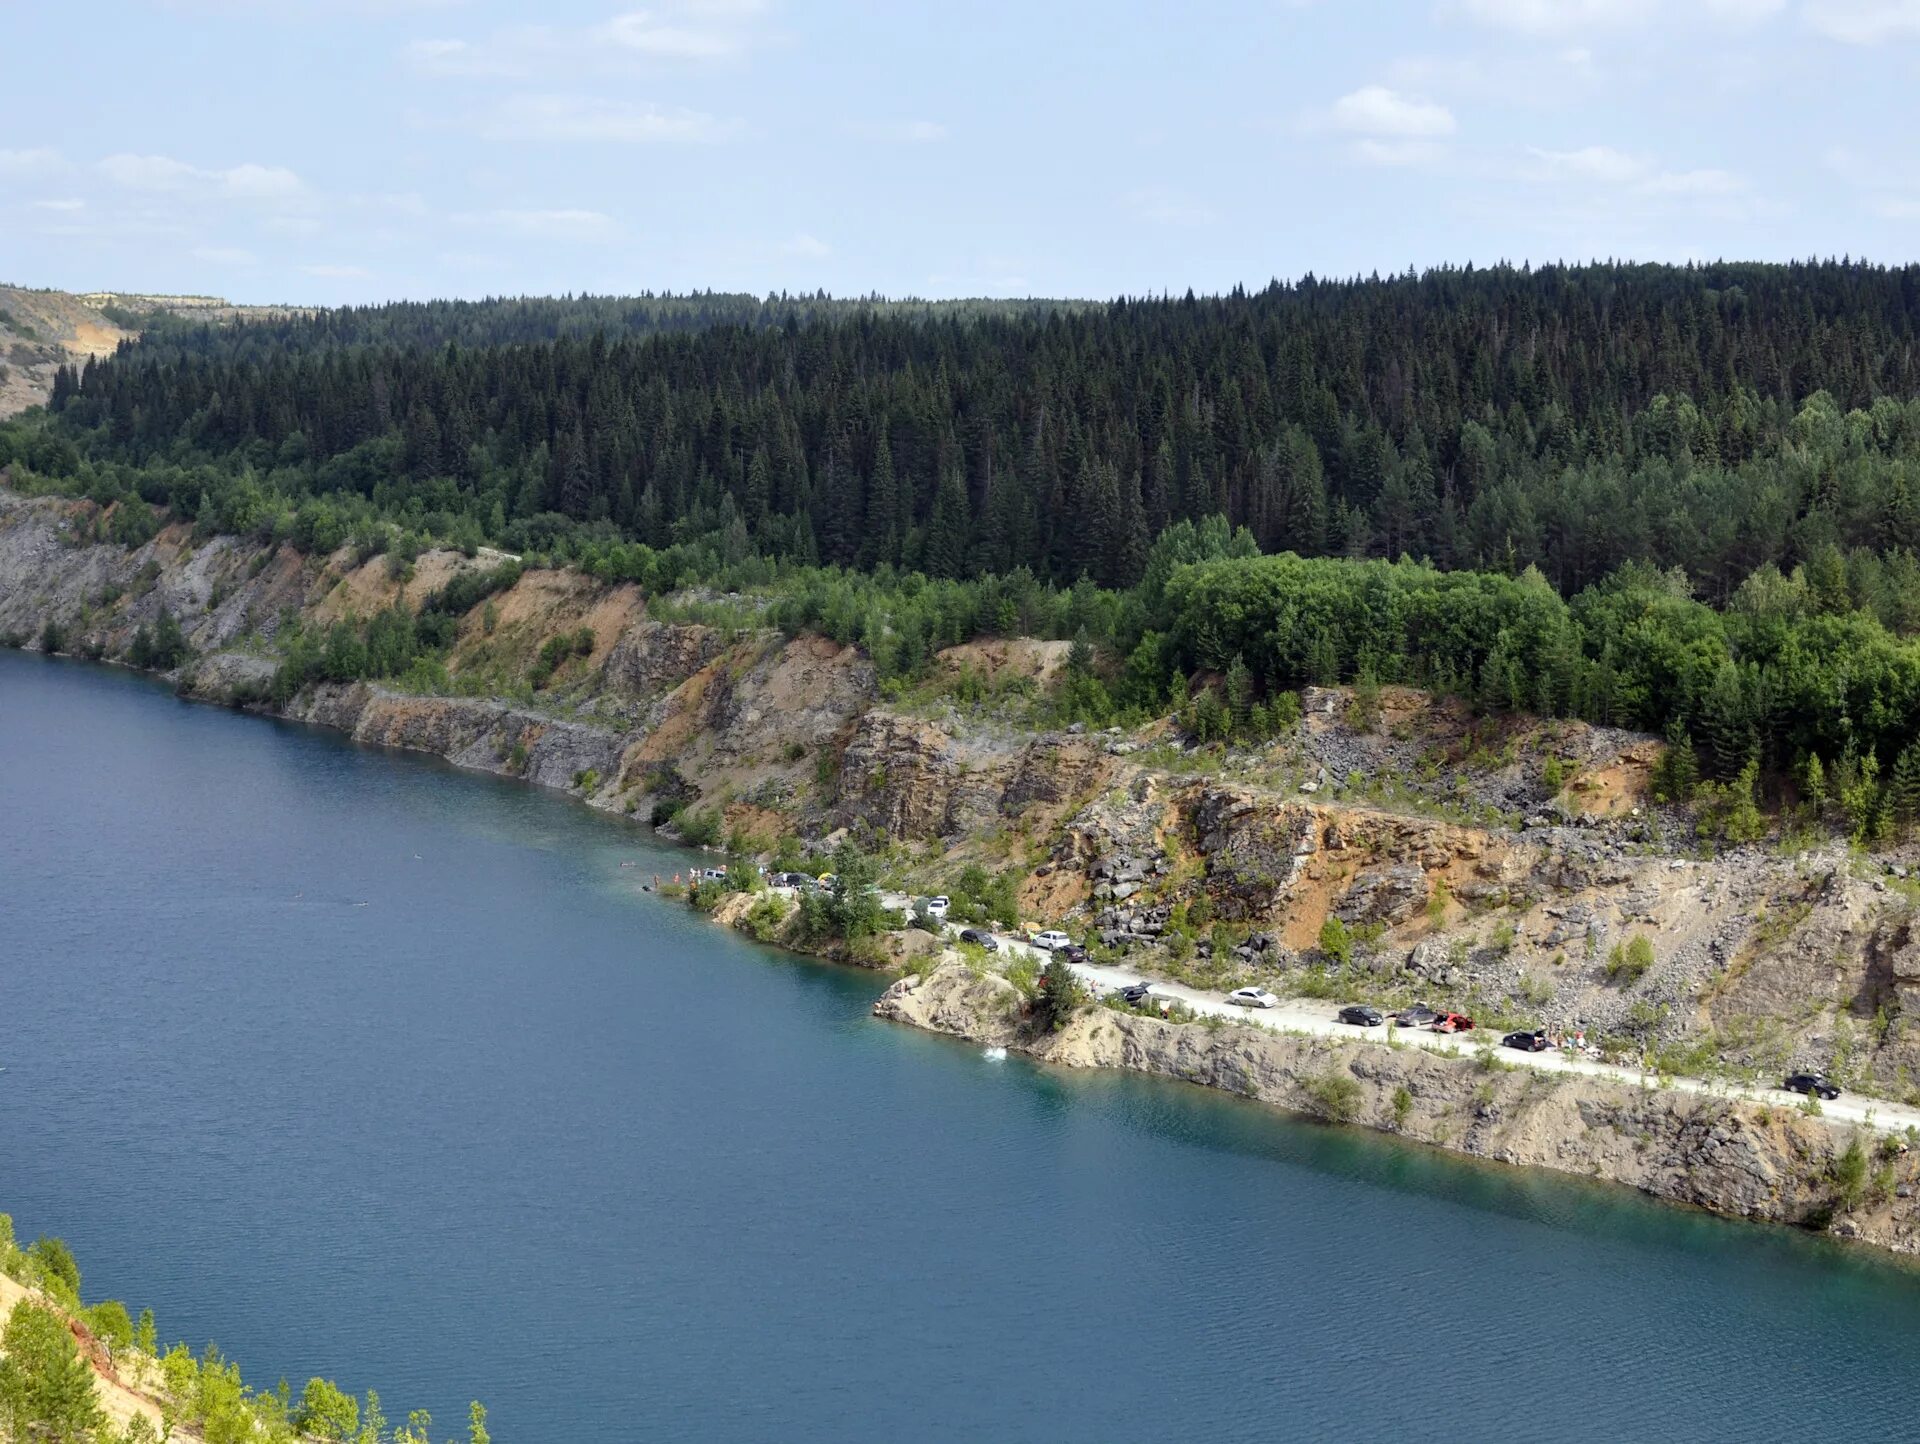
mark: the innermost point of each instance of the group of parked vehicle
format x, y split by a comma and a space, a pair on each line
1358, 1015
1362, 1015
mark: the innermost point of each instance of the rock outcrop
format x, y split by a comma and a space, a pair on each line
1730, 1156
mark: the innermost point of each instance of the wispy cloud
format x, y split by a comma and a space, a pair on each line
335, 272
226, 255
1863, 22
671, 32
1603, 166
1567, 17
1379, 111
590, 118
29, 162
164, 174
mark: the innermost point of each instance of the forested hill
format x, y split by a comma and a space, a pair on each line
511, 320
1713, 418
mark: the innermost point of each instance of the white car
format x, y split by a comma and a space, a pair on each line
1051, 939
936, 908
1253, 998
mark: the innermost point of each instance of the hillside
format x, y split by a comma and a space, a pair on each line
41, 331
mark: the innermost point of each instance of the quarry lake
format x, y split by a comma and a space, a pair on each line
364, 1067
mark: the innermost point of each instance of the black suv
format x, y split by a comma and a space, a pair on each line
1813, 1083
1361, 1016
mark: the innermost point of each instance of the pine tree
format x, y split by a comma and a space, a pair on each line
1902, 800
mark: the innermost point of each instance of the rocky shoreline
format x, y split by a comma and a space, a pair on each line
1726, 1155
1810, 958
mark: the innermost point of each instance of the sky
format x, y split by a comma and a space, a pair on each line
332, 151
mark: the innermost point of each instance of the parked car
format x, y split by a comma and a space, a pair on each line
980, 939
794, 879
1453, 1023
713, 874
1814, 1084
1050, 939
1137, 993
1074, 953
1253, 998
1534, 1042
1418, 1016
1361, 1016
935, 908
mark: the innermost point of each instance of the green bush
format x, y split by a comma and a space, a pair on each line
1336, 940
1628, 963
1334, 1095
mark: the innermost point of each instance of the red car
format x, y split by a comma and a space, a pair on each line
1452, 1023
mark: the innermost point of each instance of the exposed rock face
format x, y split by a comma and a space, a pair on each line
471, 732
909, 778
652, 658
951, 999
1732, 1157
1383, 895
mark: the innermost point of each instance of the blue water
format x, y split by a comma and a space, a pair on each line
365, 1067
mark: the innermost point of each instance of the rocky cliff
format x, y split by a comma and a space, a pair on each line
1390, 848
1730, 1156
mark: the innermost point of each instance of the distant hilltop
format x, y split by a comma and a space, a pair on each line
99, 300
40, 330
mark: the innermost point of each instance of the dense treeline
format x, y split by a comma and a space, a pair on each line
515, 320
1713, 418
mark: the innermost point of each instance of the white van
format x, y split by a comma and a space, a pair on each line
1051, 939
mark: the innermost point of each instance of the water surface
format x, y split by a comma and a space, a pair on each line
366, 1067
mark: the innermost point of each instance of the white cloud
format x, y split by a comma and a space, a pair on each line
460, 57
148, 172
586, 118
1567, 17
29, 162
923, 131
161, 174
810, 247
1863, 22
558, 225
1376, 110
59, 204
671, 31
1555, 17
260, 182
1593, 162
226, 255
647, 32
1606, 167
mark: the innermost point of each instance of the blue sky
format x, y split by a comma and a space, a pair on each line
356, 150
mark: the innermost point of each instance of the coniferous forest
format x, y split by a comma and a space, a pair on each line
1672, 490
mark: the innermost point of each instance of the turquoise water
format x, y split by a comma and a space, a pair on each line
365, 1067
